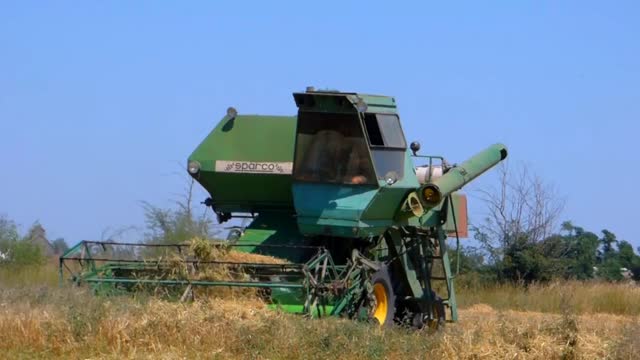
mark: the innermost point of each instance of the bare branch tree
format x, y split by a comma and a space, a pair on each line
111, 234
181, 222
522, 206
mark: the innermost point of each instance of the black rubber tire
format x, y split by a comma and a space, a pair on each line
418, 321
382, 278
440, 311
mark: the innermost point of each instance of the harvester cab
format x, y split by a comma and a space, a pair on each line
351, 169
334, 193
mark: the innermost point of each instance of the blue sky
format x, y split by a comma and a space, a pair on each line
101, 102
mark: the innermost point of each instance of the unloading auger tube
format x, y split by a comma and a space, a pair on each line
458, 176
359, 219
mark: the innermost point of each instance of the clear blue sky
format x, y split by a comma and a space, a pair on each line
101, 102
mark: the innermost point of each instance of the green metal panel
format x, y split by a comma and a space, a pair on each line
389, 199
275, 228
321, 207
343, 228
379, 103
449, 277
324, 102
327, 101
239, 147
195, 282
410, 272
332, 201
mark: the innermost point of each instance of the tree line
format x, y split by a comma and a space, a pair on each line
19, 249
572, 253
519, 240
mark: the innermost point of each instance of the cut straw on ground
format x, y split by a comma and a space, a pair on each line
560, 320
77, 325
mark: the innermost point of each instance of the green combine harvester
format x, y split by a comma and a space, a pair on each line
360, 219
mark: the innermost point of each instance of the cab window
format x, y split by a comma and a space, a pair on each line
331, 148
387, 144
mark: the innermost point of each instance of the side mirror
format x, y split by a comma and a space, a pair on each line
415, 147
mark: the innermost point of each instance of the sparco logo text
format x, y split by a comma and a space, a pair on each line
254, 167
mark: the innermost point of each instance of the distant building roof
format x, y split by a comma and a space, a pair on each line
39, 238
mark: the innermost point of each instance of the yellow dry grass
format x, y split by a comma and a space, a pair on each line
585, 298
236, 256
206, 250
74, 324
560, 320
486, 333
47, 273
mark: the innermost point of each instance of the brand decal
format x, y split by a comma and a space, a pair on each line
254, 167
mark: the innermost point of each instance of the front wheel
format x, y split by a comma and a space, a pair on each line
383, 304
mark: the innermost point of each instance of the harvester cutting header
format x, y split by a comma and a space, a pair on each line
358, 215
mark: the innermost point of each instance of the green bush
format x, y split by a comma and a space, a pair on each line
23, 253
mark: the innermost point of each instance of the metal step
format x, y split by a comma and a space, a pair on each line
438, 278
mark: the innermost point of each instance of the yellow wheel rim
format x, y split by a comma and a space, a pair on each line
380, 311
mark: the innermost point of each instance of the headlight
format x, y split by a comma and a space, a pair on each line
193, 167
431, 195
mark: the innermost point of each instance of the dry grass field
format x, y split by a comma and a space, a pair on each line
557, 321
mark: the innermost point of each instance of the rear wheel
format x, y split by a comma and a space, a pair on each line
416, 317
383, 300
439, 313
